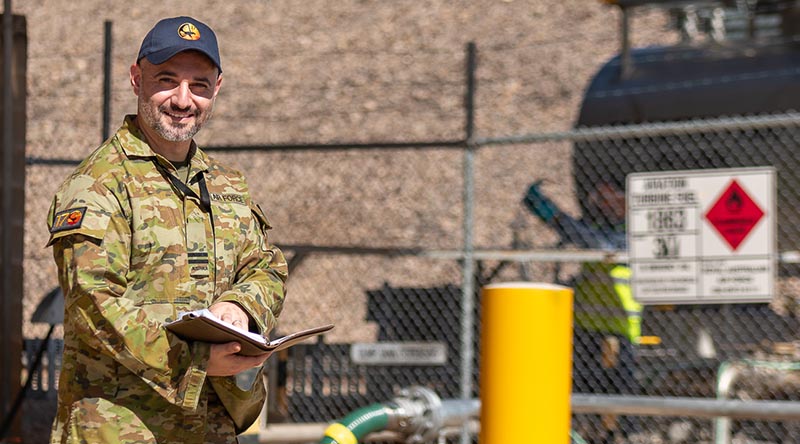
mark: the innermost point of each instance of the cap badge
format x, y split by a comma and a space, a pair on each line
188, 31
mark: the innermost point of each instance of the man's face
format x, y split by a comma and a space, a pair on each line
177, 96
609, 200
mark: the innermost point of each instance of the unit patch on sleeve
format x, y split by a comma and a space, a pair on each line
68, 220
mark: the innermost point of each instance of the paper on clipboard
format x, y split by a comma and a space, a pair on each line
202, 325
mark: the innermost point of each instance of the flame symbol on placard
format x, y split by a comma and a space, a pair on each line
734, 202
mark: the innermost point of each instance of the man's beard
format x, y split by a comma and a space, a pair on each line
153, 116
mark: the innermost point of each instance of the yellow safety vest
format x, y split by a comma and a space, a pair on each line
604, 301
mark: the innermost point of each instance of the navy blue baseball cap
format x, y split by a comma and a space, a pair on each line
177, 34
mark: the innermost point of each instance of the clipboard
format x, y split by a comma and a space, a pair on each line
204, 326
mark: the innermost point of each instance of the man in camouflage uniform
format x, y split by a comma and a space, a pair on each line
149, 226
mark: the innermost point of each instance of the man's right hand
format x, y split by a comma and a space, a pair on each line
224, 360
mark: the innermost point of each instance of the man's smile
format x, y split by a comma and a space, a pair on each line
178, 116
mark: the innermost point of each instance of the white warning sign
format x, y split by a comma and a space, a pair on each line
702, 236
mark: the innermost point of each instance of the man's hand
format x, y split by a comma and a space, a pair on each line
224, 360
231, 313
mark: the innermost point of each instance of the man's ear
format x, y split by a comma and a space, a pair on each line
136, 78
218, 84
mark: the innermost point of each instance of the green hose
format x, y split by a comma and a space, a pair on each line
356, 425
576, 438
373, 418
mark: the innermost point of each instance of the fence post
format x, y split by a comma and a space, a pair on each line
468, 265
526, 363
108, 40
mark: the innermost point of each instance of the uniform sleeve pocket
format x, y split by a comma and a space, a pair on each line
263, 222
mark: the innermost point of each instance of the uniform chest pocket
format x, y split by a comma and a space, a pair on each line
156, 224
157, 248
232, 219
231, 222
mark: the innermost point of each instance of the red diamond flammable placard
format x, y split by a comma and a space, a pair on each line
734, 214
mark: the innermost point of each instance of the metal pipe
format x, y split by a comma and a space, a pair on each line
8, 155
107, 80
584, 134
689, 407
456, 411
344, 146
468, 272
303, 433
626, 63
421, 415
418, 415
457, 415
726, 376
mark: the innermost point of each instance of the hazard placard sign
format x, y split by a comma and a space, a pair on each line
702, 236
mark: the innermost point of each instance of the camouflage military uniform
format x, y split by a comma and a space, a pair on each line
132, 251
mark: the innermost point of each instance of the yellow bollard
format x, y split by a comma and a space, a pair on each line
526, 363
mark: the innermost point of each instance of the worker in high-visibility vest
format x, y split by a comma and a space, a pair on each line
607, 317
605, 303
607, 331
607, 322
605, 307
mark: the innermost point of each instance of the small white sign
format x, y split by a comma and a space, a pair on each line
702, 236
399, 353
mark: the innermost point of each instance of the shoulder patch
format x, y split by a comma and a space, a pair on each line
68, 219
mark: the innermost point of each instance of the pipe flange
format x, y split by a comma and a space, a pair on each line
426, 419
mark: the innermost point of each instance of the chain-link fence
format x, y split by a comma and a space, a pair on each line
682, 350
411, 295
693, 343
388, 233
743, 351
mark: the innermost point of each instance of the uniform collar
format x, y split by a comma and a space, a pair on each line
134, 144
